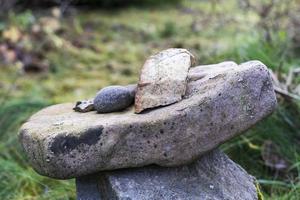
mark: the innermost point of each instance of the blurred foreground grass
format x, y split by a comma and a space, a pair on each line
89, 49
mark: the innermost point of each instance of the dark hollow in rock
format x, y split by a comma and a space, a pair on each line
66, 143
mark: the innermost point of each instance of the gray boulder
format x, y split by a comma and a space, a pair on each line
163, 79
61, 143
212, 177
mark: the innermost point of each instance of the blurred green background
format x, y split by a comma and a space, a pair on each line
64, 51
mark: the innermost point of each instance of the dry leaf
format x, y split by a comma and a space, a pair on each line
12, 34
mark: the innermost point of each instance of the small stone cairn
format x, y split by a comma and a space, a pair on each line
165, 146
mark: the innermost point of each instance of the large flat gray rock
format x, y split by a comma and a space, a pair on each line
163, 79
212, 177
61, 143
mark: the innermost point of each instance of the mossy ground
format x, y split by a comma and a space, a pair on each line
96, 48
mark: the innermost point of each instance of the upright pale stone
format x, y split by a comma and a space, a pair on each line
62, 143
163, 79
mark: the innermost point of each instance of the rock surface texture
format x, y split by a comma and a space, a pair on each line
212, 177
61, 143
163, 79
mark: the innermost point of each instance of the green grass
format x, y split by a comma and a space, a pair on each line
17, 178
282, 129
113, 46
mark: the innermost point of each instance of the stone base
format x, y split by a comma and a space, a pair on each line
212, 177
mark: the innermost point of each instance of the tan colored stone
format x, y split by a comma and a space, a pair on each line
62, 143
163, 79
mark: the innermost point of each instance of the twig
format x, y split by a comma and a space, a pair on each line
289, 79
286, 93
297, 71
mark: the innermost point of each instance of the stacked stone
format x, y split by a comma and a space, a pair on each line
163, 147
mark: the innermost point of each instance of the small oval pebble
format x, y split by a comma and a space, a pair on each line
114, 98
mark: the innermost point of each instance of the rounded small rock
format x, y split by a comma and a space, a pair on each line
113, 99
